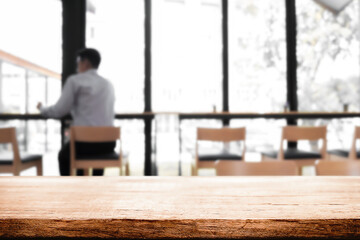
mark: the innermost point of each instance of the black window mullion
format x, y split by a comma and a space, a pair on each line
225, 58
149, 168
73, 39
291, 35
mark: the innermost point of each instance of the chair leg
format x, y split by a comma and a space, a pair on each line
39, 168
127, 169
16, 172
300, 170
194, 171
72, 171
121, 170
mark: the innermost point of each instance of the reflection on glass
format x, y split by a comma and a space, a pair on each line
186, 51
116, 29
328, 57
257, 54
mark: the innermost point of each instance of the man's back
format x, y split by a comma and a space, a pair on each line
94, 100
88, 97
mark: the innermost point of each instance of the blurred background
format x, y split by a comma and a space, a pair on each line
186, 71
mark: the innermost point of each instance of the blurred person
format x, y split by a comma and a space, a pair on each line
90, 99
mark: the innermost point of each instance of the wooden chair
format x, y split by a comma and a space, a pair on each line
342, 154
17, 162
302, 158
275, 168
225, 135
95, 134
338, 168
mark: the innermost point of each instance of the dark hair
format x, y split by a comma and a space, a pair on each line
91, 54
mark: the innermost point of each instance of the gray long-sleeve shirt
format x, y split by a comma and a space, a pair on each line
88, 97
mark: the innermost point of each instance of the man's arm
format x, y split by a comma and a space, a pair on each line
64, 104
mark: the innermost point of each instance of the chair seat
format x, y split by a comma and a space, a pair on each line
7, 159
293, 154
223, 155
342, 153
106, 156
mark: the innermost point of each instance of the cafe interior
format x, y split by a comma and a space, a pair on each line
217, 102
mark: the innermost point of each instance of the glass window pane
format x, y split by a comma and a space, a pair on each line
116, 29
13, 89
53, 141
32, 31
328, 57
53, 91
329, 67
186, 52
133, 144
30, 48
36, 90
36, 136
257, 55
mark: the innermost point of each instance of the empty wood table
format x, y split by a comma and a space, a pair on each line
180, 207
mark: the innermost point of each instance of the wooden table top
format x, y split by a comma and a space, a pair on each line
180, 207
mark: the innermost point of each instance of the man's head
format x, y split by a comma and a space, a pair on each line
87, 59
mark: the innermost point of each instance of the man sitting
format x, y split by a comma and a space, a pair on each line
90, 100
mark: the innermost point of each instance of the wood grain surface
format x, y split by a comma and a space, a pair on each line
180, 207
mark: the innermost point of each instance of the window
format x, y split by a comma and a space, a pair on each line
30, 62
29, 32
257, 55
116, 29
13, 88
257, 69
186, 55
328, 66
328, 57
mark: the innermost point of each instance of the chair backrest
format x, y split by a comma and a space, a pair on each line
238, 168
92, 134
221, 134
95, 134
338, 168
296, 133
353, 154
8, 135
